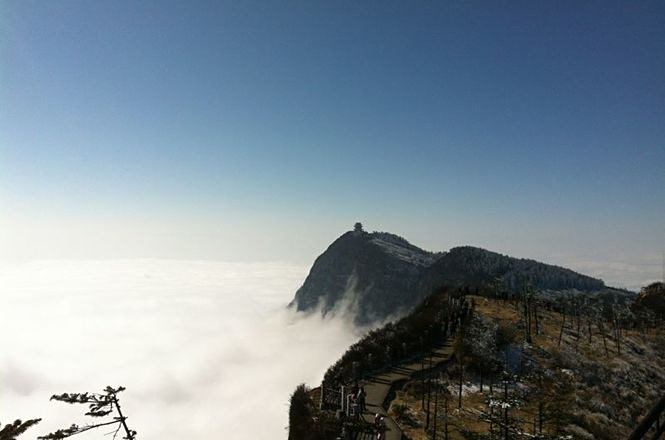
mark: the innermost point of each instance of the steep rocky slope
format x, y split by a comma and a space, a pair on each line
378, 275
374, 275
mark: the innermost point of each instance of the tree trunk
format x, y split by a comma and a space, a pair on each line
436, 410
577, 339
130, 435
563, 323
618, 340
505, 411
445, 420
540, 417
422, 377
429, 395
527, 322
461, 378
602, 334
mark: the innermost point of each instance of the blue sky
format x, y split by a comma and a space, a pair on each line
265, 129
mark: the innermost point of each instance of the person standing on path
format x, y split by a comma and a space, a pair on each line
381, 427
361, 400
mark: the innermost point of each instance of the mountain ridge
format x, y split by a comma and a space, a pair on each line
378, 275
369, 272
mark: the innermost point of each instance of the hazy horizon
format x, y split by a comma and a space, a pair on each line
260, 132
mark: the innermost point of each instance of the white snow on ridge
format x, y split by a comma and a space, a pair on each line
412, 256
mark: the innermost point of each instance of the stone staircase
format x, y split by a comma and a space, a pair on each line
380, 386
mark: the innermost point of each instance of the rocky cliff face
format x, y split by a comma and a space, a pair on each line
373, 275
378, 275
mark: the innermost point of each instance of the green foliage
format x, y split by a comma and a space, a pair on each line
651, 298
300, 414
412, 335
306, 422
13, 430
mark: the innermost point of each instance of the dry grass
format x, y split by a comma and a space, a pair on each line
611, 390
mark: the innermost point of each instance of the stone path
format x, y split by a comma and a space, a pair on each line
378, 387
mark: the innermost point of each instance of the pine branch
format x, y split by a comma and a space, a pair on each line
13, 430
99, 405
73, 430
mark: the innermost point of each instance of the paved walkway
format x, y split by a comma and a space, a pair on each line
378, 387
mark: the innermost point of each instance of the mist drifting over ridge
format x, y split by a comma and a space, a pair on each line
205, 349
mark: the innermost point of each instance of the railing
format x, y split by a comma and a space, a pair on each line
331, 398
366, 436
651, 420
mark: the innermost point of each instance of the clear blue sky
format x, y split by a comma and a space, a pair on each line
265, 129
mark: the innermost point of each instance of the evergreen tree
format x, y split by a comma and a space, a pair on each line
13, 430
300, 414
99, 405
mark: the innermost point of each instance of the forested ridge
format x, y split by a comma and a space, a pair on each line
526, 366
475, 267
383, 275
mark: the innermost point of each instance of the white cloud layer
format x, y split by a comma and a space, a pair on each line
629, 273
206, 349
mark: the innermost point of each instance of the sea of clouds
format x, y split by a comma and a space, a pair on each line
205, 349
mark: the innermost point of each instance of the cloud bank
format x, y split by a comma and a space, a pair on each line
205, 349
630, 273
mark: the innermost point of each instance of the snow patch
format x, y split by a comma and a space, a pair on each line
408, 254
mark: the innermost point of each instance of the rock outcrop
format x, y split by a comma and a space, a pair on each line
373, 275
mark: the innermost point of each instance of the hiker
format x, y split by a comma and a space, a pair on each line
355, 410
381, 435
354, 406
351, 404
361, 400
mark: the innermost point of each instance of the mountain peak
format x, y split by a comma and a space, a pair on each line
378, 275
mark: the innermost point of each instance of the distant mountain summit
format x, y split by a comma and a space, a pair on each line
377, 275
373, 275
